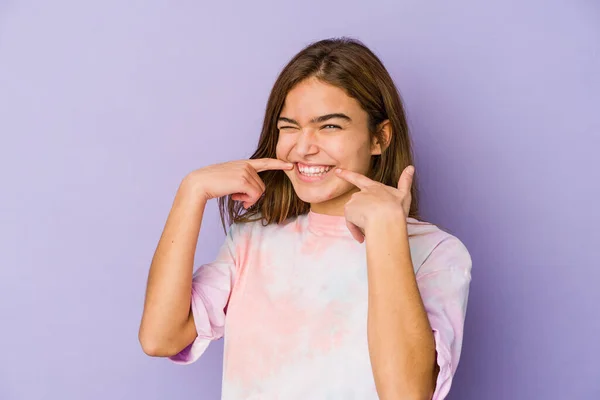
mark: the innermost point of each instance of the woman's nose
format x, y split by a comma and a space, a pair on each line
306, 143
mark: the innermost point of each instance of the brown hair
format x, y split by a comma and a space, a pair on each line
350, 65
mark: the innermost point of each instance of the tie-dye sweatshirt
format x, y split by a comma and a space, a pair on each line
291, 303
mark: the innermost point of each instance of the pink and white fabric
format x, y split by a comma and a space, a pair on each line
291, 303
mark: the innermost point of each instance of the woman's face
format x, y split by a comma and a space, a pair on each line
322, 128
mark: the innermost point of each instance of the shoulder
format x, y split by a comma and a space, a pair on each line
257, 228
244, 229
434, 249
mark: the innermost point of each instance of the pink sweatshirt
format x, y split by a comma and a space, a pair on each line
291, 302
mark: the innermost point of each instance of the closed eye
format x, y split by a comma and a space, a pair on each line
328, 126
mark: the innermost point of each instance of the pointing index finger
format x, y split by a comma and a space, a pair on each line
264, 164
354, 178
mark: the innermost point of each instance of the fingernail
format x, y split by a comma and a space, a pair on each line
338, 170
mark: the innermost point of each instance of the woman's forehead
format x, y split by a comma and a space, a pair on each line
312, 100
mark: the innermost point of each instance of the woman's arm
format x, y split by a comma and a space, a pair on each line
415, 323
401, 341
167, 324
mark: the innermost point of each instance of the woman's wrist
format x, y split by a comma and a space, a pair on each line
191, 191
386, 222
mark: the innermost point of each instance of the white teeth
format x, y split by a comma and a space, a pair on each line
314, 171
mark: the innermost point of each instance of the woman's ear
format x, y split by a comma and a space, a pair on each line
382, 138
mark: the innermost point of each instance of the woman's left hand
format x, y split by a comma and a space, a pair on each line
375, 203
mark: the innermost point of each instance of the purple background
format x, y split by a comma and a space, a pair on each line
105, 106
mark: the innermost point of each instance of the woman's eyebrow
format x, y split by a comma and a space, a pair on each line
288, 120
319, 119
326, 117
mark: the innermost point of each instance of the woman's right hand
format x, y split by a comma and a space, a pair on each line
236, 178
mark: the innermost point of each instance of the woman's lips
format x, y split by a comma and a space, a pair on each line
312, 172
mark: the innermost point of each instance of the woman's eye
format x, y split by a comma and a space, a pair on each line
285, 128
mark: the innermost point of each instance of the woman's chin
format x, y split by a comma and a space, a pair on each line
316, 196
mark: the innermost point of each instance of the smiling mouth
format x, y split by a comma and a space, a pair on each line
313, 170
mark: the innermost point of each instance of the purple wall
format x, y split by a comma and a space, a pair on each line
105, 106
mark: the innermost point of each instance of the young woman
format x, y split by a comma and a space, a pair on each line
328, 286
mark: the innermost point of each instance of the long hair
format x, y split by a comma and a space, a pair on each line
350, 65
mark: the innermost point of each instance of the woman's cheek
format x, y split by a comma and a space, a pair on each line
278, 151
283, 148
